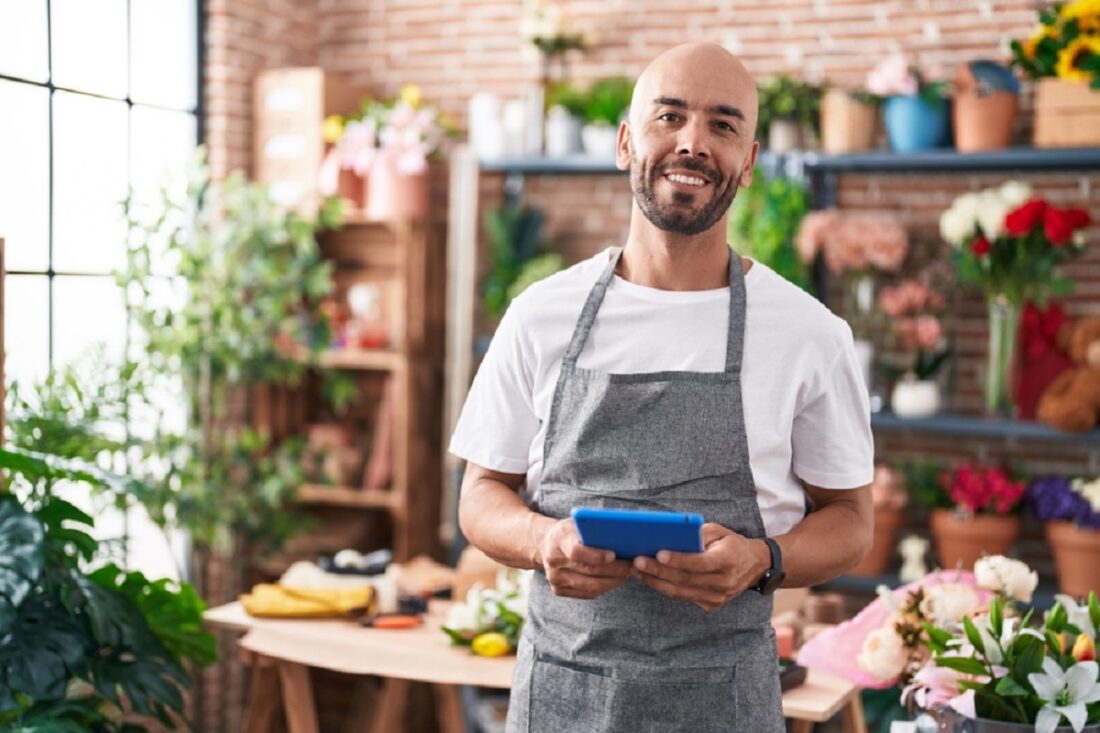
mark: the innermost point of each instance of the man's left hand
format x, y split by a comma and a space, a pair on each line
727, 566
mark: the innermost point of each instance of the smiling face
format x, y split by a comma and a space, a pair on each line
689, 142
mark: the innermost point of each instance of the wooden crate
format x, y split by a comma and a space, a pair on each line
289, 109
1067, 114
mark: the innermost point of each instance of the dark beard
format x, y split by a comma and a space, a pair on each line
679, 221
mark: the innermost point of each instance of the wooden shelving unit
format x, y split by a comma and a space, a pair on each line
351, 497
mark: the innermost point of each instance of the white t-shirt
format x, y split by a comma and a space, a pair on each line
805, 404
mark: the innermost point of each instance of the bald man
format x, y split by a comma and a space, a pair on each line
668, 374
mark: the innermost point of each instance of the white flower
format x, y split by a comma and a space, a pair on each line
946, 604
1090, 490
993, 648
462, 617
1005, 575
1078, 614
1065, 692
1014, 193
883, 655
956, 226
991, 213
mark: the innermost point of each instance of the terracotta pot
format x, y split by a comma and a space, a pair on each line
961, 541
887, 523
847, 125
984, 123
1075, 553
392, 194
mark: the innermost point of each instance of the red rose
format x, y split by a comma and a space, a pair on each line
1078, 218
1057, 226
980, 245
1021, 220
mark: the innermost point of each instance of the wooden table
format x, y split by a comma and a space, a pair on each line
284, 650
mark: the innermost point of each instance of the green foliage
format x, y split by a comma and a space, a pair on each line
74, 645
922, 481
515, 255
763, 221
607, 99
250, 313
568, 96
1039, 55
785, 98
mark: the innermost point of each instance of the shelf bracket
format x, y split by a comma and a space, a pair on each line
513, 188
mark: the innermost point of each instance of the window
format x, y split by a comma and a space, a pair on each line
97, 100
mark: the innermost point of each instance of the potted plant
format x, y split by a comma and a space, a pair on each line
605, 103
763, 221
986, 96
516, 256
1071, 511
914, 110
565, 108
1008, 242
890, 498
789, 113
914, 311
976, 514
1063, 55
84, 644
849, 121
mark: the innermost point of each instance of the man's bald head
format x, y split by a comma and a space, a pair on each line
697, 73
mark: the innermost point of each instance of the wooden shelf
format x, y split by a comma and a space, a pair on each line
345, 496
363, 359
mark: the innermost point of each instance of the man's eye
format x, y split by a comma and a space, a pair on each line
669, 117
725, 126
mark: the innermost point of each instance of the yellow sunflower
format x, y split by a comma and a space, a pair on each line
1086, 12
1069, 56
1032, 43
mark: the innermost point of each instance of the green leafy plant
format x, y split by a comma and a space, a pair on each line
763, 221
566, 95
79, 647
785, 98
607, 99
249, 313
515, 237
1065, 45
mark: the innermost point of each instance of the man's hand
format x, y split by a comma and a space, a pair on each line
576, 571
727, 566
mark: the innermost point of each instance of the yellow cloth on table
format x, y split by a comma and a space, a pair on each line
271, 600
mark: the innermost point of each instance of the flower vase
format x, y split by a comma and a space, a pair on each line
1075, 552
962, 540
914, 124
915, 398
1004, 324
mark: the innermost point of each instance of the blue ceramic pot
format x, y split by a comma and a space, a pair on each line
912, 124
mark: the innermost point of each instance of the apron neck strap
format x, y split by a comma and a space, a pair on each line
735, 333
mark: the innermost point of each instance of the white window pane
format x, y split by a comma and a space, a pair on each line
24, 175
89, 166
162, 145
23, 39
149, 550
26, 328
163, 44
89, 45
88, 312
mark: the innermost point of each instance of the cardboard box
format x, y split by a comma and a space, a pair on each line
289, 109
1067, 114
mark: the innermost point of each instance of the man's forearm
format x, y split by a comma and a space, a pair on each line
827, 543
497, 521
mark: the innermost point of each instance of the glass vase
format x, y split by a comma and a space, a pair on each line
1004, 324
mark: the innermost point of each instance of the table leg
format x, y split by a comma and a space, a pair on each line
448, 709
802, 726
392, 700
298, 705
851, 716
263, 696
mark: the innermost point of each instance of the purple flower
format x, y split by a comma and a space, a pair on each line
1052, 498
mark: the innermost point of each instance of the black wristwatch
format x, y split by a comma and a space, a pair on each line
773, 576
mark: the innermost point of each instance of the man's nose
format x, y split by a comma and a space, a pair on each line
692, 139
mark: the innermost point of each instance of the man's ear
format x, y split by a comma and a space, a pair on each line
622, 147
745, 178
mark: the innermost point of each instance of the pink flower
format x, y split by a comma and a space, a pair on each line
933, 686
929, 332
812, 232
964, 704
892, 76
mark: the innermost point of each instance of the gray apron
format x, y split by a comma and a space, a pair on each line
635, 660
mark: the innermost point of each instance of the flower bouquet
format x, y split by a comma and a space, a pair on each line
1071, 511
1008, 242
491, 619
1066, 45
982, 517
914, 311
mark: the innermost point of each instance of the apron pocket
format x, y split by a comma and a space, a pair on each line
667, 701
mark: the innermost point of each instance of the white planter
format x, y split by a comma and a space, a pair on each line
913, 398
784, 136
599, 141
563, 133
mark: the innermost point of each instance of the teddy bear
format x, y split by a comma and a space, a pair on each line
1071, 402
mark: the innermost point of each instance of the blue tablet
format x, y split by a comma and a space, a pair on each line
634, 532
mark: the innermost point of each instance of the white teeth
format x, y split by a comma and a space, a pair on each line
686, 180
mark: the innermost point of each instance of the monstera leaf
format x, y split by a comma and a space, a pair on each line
21, 558
34, 465
42, 646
